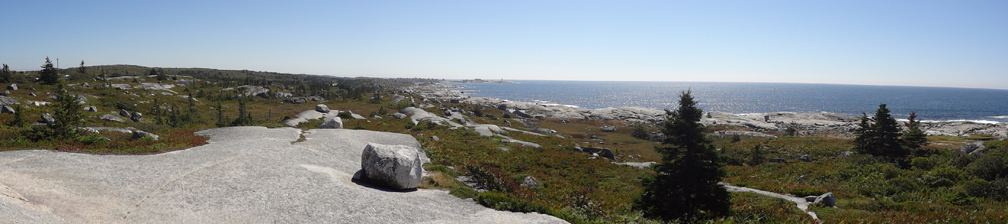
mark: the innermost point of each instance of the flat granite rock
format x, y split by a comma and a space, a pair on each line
243, 175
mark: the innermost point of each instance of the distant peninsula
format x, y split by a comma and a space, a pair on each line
480, 81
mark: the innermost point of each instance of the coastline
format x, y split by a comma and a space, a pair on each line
814, 124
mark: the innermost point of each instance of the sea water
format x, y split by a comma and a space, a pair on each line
930, 103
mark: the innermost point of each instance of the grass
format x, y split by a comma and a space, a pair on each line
574, 186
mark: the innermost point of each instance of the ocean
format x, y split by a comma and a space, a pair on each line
930, 103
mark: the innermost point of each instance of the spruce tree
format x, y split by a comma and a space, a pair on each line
48, 74
5, 74
914, 138
221, 120
685, 184
879, 136
67, 116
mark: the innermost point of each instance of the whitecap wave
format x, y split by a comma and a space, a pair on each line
962, 120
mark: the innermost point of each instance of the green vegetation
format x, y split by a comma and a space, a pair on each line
933, 183
879, 136
48, 75
686, 182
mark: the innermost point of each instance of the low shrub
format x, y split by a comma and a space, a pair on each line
947, 172
958, 198
94, 139
990, 166
976, 187
502, 201
802, 191
923, 163
344, 115
902, 184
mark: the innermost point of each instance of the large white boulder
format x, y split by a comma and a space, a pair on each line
332, 123
322, 108
394, 166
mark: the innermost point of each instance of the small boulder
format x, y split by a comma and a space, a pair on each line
399, 115
7, 110
138, 134
12, 86
502, 107
47, 118
111, 117
91, 108
394, 166
846, 153
826, 199
376, 117
124, 113
435, 138
522, 114
805, 158
32, 94
136, 117
971, 148
86, 85
5, 93
296, 100
609, 129
355, 116
530, 182
332, 123
603, 152
322, 108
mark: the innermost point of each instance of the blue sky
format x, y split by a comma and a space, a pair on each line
917, 43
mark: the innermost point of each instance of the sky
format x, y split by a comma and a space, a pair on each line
906, 43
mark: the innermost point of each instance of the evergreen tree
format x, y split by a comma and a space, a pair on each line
221, 120
67, 116
5, 74
914, 138
685, 185
879, 135
193, 113
48, 74
756, 155
159, 75
244, 117
19, 120
81, 69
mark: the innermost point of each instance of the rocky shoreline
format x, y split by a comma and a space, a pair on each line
816, 124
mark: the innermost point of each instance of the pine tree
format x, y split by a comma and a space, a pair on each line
685, 185
159, 75
5, 74
221, 120
67, 115
81, 69
19, 120
48, 74
914, 138
879, 136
